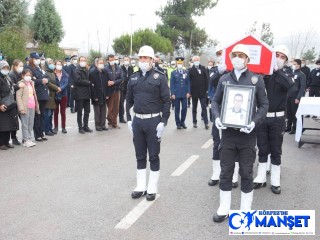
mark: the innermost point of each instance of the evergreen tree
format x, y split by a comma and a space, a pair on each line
13, 13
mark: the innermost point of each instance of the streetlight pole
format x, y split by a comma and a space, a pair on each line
131, 15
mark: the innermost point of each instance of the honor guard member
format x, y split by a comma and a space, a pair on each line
238, 143
180, 91
270, 132
214, 78
294, 95
148, 93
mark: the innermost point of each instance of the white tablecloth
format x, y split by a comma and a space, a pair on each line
307, 106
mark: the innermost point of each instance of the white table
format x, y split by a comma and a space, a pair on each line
307, 106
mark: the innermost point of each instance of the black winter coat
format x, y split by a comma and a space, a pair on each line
81, 84
199, 81
9, 118
99, 83
126, 73
115, 76
42, 90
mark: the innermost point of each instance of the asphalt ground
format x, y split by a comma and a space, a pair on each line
78, 186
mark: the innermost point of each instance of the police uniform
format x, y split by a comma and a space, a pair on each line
270, 132
150, 98
238, 145
180, 87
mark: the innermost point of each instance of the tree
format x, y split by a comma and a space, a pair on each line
12, 44
46, 23
178, 25
52, 51
310, 54
142, 37
93, 54
13, 13
264, 33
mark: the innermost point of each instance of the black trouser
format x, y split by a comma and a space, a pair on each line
237, 145
38, 127
204, 114
4, 138
189, 101
83, 105
314, 91
70, 97
13, 134
123, 95
216, 142
100, 113
145, 139
270, 138
292, 108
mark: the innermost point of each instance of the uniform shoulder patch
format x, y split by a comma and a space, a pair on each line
156, 75
158, 71
254, 80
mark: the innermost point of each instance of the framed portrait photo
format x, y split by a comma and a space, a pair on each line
237, 104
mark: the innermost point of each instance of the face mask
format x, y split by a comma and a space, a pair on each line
83, 64
179, 66
293, 67
173, 66
101, 66
27, 78
4, 72
280, 63
318, 67
75, 62
303, 65
59, 67
238, 63
133, 64
144, 66
117, 62
51, 66
161, 65
209, 67
112, 63
196, 63
126, 63
68, 63
37, 62
43, 62
19, 69
191, 64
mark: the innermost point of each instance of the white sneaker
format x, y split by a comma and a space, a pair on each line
25, 143
32, 144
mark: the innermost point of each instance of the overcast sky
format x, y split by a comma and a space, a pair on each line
83, 21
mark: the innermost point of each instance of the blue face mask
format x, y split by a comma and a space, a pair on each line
51, 66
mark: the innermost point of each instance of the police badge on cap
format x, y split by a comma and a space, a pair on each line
254, 80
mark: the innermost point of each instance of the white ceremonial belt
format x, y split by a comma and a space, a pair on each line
275, 114
145, 116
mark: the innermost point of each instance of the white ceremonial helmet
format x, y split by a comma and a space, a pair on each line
146, 51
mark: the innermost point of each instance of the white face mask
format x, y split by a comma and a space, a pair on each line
117, 62
303, 65
126, 63
144, 66
133, 64
112, 63
75, 62
161, 65
68, 63
293, 67
27, 78
173, 66
179, 66
83, 64
59, 67
37, 62
196, 63
4, 72
209, 67
101, 66
238, 63
280, 63
19, 69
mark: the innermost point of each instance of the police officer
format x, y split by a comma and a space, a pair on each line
180, 91
148, 93
294, 95
234, 142
270, 132
313, 83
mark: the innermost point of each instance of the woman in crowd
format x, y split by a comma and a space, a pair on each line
62, 81
27, 106
15, 76
53, 89
41, 86
8, 107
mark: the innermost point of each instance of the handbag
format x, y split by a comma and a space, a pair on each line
8, 101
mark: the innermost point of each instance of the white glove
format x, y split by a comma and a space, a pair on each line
248, 129
219, 124
130, 126
222, 68
160, 129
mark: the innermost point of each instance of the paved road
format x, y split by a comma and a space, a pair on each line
78, 187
